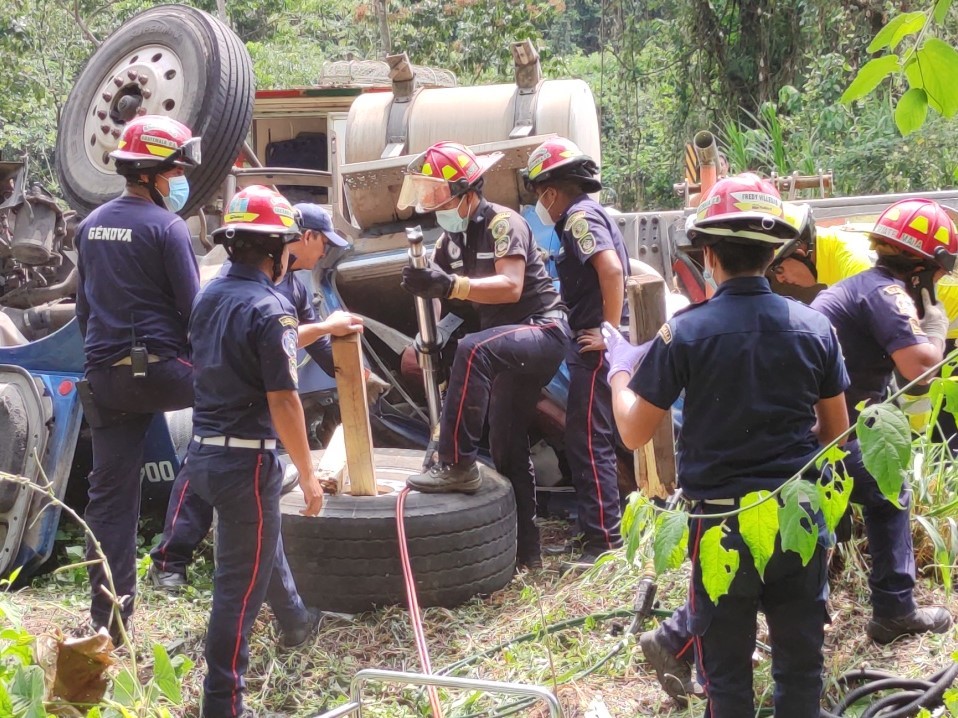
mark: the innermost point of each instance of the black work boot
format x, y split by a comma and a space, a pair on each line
166, 580
290, 640
932, 619
447, 478
674, 674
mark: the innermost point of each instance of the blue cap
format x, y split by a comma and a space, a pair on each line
317, 219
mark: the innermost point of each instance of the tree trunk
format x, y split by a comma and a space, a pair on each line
221, 11
382, 15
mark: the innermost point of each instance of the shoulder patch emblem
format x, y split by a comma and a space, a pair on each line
499, 227
290, 340
586, 243
453, 250
893, 289
578, 225
288, 321
665, 332
502, 246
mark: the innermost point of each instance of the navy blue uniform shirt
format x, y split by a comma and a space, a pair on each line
243, 334
873, 317
586, 229
495, 232
753, 365
136, 265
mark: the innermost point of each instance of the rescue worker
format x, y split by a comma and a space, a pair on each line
188, 518
592, 264
487, 258
744, 430
244, 339
137, 280
880, 331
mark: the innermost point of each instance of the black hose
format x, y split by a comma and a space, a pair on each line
928, 699
875, 686
895, 699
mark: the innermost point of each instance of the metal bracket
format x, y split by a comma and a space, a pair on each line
403, 78
355, 705
528, 81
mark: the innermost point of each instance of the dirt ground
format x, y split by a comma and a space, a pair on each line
310, 681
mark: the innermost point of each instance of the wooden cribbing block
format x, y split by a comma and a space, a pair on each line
357, 436
332, 466
654, 462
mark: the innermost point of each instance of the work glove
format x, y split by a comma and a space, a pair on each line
622, 355
433, 283
935, 321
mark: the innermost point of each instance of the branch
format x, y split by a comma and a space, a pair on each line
82, 25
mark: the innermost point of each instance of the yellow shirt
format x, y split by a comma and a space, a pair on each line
841, 253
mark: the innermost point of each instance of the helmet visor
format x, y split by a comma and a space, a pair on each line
425, 194
189, 153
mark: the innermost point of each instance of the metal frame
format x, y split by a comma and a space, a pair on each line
355, 705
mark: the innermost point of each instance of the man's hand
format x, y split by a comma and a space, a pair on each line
621, 355
312, 493
429, 282
591, 341
935, 321
340, 323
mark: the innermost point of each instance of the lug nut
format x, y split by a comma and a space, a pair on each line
142, 79
106, 96
141, 111
118, 81
145, 94
116, 133
131, 74
101, 114
104, 129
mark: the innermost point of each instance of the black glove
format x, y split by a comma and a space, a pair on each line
430, 282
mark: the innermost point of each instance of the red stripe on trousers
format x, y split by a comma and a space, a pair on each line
252, 582
698, 639
465, 381
176, 515
595, 471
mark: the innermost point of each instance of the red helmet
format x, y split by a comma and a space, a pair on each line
259, 210
919, 227
560, 157
156, 142
444, 171
743, 208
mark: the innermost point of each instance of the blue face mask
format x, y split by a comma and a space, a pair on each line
709, 279
179, 193
451, 221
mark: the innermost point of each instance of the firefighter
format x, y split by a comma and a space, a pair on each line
592, 263
880, 331
188, 518
744, 430
137, 280
244, 340
488, 259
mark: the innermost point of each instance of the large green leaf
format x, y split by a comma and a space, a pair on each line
719, 564
671, 540
896, 30
799, 532
935, 69
941, 10
885, 438
869, 77
834, 495
832, 455
758, 525
164, 676
26, 692
125, 688
911, 111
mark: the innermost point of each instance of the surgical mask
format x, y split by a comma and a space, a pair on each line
179, 193
709, 279
542, 212
451, 221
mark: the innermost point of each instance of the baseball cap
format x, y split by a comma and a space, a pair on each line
317, 219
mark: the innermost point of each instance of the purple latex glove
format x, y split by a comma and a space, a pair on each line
620, 353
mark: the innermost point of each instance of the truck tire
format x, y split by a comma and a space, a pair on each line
347, 560
173, 60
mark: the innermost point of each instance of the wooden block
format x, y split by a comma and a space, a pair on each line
332, 465
654, 462
357, 435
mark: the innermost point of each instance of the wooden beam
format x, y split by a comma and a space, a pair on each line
357, 435
654, 462
332, 465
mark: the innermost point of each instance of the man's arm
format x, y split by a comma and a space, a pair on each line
504, 287
286, 412
181, 268
911, 362
832, 418
611, 276
337, 324
635, 418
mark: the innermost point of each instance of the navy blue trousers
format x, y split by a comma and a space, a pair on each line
188, 520
501, 372
243, 485
590, 449
792, 597
113, 510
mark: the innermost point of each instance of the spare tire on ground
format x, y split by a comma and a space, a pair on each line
347, 559
171, 60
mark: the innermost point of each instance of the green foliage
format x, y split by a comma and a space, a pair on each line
758, 524
718, 564
671, 540
885, 438
798, 529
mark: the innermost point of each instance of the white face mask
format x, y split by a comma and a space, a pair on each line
542, 212
450, 219
709, 277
